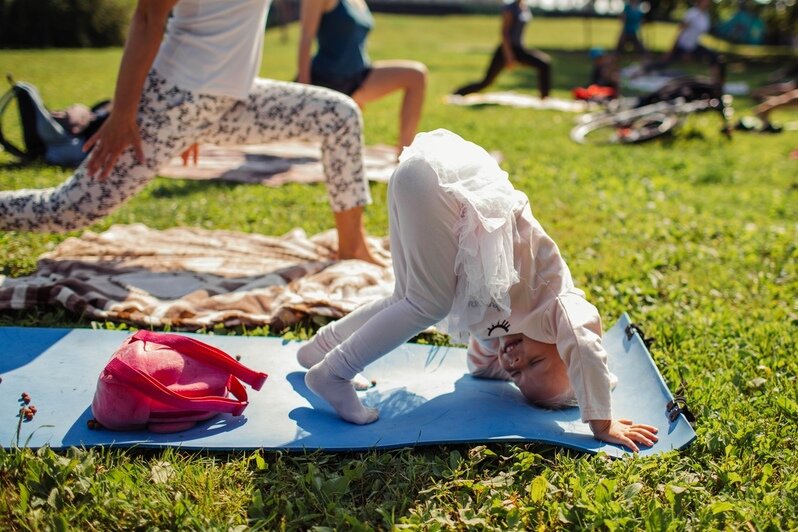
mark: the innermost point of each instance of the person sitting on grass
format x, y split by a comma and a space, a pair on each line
605, 78
342, 64
466, 248
515, 16
198, 84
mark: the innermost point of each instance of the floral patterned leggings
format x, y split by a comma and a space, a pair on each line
171, 119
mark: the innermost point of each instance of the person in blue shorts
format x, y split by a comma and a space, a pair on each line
341, 63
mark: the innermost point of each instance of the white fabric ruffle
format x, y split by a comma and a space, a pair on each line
484, 263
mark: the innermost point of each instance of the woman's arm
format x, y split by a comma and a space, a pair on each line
507, 46
120, 130
309, 18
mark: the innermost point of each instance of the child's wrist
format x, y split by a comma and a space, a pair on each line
599, 426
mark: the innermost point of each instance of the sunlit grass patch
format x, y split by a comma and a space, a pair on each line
694, 235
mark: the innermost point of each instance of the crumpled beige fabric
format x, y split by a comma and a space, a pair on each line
189, 278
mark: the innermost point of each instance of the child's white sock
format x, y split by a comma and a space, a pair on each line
340, 393
313, 352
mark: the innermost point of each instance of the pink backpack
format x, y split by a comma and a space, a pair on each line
169, 382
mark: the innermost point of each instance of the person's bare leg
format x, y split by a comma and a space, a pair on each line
352, 237
389, 76
762, 111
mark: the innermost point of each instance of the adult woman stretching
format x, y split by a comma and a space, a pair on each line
515, 16
197, 84
341, 62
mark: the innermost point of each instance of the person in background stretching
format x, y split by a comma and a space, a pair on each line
466, 248
341, 62
515, 16
694, 24
632, 19
195, 84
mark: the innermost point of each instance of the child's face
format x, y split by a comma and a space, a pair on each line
536, 368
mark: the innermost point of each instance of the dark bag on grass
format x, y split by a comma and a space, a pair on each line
57, 137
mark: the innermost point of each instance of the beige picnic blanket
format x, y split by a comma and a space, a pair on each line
274, 164
190, 278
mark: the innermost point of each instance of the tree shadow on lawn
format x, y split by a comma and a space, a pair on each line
18, 165
168, 187
43, 316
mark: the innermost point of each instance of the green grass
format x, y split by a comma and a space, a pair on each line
695, 236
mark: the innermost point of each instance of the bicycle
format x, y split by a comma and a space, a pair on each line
635, 120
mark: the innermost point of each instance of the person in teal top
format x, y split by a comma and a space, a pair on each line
341, 56
341, 28
632, 18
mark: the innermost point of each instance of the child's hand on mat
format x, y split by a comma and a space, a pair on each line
192, 153
624, 432
115, 135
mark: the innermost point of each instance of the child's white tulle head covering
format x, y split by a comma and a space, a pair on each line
484, 264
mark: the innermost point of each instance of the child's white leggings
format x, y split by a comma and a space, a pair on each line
171, 119
422, 218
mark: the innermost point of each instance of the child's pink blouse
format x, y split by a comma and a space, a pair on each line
547, 307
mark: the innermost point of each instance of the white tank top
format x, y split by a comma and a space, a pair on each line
214, 46
696, 24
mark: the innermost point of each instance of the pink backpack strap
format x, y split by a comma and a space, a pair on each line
150, 387
205, 353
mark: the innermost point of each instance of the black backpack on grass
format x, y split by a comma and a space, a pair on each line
57, 137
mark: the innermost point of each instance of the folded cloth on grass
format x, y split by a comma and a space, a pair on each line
274, 164
189, 278
515, 99
424, 394
655, 81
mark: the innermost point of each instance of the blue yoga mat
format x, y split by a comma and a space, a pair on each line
424, 394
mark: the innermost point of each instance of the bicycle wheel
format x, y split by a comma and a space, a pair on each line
638, 129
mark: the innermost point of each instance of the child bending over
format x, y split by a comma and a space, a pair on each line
466, 249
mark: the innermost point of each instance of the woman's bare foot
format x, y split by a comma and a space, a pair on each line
352, 242
364, 254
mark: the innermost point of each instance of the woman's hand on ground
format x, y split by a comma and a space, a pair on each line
115, 135
624, 432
